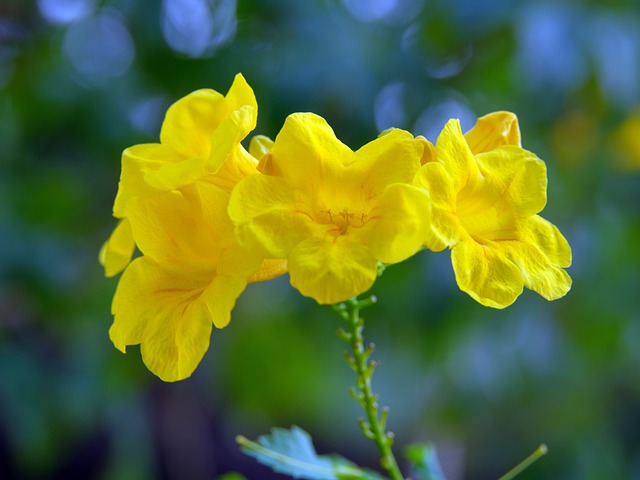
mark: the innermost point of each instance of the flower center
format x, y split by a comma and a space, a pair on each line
342, 220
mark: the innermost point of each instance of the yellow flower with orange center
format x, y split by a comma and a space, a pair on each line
486, 192
172, 204
331, 212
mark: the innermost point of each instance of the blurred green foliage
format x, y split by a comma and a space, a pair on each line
80, 80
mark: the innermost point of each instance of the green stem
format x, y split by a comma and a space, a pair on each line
374, 427
540, 451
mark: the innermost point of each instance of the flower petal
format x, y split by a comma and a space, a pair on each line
170, 315
456, 157
331, 270
171, 176
190, 122
515, 179
263, 208
429, 150
236, 261
541, 232
260, 145
274, 233
140, 164
541, 254
397, 225
220, 298
539, 273
306, 151
486, 274
116, 252
183, 227
240, 94
269, 269
444, 229
231, 131
238, 165
164, 313
391, 158
492, 131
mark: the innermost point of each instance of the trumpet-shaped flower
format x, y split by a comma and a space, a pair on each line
199, 141
200, 134
486, 193
189, 277
331, 212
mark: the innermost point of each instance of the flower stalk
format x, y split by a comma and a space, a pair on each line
359, 359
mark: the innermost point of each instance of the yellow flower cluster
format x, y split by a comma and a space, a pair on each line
208, 217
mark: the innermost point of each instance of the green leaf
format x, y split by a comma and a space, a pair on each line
423, 457
292, 453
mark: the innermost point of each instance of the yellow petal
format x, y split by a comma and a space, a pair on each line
492, 131
538, 231
139, 165
231, 131
169, 315
511, 186
190, 122
236, 261
256, 194
486, 274
538, 272
444, 229
515, 179
237, 166
392, 158
116, 252
240, 94
260, 145
429, 150
331, 270
220, 298
541, 253
306, 151
263, 208
397, 225
171, 176
274, 233
456, 157
269, 269
189, 226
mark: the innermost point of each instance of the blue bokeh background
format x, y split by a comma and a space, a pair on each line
80, 80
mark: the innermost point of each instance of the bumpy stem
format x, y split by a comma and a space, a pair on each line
374, 427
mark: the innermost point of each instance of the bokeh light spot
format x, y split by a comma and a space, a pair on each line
99, 48
370, 10
549, 55
197, 28
390, 11
65, 11
430, 122
615, 43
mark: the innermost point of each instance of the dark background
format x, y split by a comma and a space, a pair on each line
80, 80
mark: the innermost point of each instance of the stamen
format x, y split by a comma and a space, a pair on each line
342, 220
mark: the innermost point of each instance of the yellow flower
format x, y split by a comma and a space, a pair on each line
331, 212
172, 203
486, 192
189, 277
199, 140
